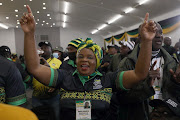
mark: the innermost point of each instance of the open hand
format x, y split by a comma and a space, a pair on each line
176, 75
44, 62
153, 74
27, 21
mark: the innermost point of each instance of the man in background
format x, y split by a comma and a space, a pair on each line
168, 109
12, 90
112, 50
43, 95
70, 64
167, 45
58, 53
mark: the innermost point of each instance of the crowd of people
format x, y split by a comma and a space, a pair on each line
134, 80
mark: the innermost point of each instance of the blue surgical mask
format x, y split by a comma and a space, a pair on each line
55, 55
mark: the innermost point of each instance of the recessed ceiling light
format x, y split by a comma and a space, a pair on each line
16, 15
24, 5
53, 23
44, 3
11, 0
30, 0
16, 10
44, 8
0, 3
42, 24
48, 14
37, 11
7, 17
50, 18
37, 19
47, 23
43, 21
18, 23
16, 26
36, 23
17, 20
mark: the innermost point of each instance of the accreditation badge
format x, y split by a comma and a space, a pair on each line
83, 110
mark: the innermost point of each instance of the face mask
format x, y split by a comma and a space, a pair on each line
55, 55
178, 52
72, 55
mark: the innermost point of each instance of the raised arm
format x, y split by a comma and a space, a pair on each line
129, 78
40, 72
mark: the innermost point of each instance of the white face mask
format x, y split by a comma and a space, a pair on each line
178, 52
55, 55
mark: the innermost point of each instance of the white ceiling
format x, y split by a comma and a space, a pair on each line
86, 15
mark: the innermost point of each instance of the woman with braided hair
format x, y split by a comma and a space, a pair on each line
86, 84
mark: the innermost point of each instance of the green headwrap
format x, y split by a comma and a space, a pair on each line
76, 42
88, 43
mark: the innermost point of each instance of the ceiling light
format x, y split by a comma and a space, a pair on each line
47, 23
44, 3
48, 14
24, 5
65, 18
42, 24
102, 26
129, 10
37, 19
16, 26
143, 1
36, 23
37, 11
43, 21
0, 3
64, 24
30, 0
50, 18
16, 10
114, 19
18, 22
16, 15
7, 17
93, 32
3, 26
44, 8
53, 23
66, 4
11, 0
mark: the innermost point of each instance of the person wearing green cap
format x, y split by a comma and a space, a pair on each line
58, 53
86, 84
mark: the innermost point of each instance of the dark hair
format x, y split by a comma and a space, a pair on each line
21, 58
5, 51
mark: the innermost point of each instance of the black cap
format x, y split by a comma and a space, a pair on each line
5, 49
45, 43
114, 46
171, 103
